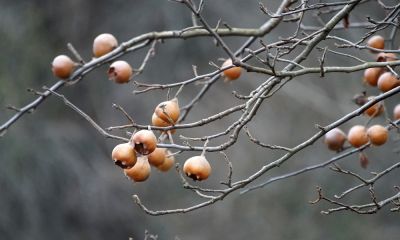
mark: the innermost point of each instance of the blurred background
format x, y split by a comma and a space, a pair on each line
57, 180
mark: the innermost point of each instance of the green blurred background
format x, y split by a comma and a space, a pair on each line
57, 180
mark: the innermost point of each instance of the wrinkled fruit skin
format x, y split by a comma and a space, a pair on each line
335, 139
396, 112
145, 142
387, 81
62, 66
103, 44
140, 172
157, 157
377, 135
357, 136
197, 168
231, 73
124, 155
168, 162
376, 41
120, 72
168, 111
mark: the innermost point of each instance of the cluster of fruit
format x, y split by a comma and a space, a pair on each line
119, 71
357, 136
141, 152
138, 155
381, 77
385, 80
143, 143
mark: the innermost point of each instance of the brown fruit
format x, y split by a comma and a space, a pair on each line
168, 162
168, 111
376, 41
335, 139
62, 66
377, 135
197, 168
396, 112
371, 75
145, 141
156, 121
103, 44
375, 110
124, 155
386, 57
387, 81
120, 72
231, 73
357, 136
157, 157
140, 172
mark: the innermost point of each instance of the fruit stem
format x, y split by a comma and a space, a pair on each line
171, 140
204, 148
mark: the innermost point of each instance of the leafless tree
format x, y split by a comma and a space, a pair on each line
278, 63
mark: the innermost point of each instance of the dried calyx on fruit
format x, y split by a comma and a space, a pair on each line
373, 111
197, 168
62, 66
335, 139
144, 141
103, 44
120, 72
360, 99
386, 57
377, 135
231, 73
124, 155
140, 172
